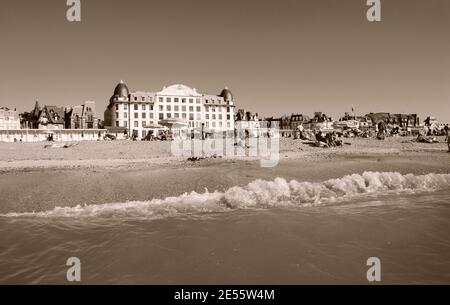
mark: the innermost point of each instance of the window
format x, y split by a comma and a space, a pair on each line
143, 99
117, 106
228, 109
135, 106
207, 116
191, 116
191, 101
198, 101
206, 108
213, 116
135, 98
183, 100
124, 115
176, 108
136, 124
169, 115
143, 115
191, 108
144, 123
117, 114
198, 109
220, 116
143, 133
161, 107
176, 100
169, 108
160, 99
183, 115
136, 115
199, 116
228, 116
125, 124
161, 116
143, 107
151, 115
168, 100
183, 108
220, 124
117, 123
177, 115
125, 107
213, 109
151, 107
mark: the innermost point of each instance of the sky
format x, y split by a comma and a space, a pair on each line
277, 56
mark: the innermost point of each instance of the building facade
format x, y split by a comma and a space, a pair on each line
55, 117
401, 120
81, 116
9, 119
138, 110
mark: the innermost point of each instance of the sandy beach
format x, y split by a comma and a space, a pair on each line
35, 178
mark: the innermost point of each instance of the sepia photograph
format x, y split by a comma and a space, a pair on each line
224, 142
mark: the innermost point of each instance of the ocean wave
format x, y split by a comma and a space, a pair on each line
259, 194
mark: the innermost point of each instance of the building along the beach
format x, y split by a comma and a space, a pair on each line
401, 120
9, 119
55, 117
298, 120
81, 116
51, 117
136, 111
55, 123
248, 122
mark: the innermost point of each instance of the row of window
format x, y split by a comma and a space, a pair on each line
176, 115
191, 124
169, 107
167, 99
136, 107
177, 100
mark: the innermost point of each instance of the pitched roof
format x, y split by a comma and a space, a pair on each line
55, 114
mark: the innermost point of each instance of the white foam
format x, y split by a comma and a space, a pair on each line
259, 194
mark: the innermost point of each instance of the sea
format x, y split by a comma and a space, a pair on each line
267, 232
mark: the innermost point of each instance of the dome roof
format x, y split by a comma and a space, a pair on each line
179, 90
226, 94
121, 90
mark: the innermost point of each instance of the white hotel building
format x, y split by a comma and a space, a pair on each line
138, 110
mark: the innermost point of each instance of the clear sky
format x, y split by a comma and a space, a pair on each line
277, 56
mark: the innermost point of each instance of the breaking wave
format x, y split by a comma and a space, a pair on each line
259, 194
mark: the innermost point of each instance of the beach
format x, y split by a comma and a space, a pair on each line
35, 178
135, 214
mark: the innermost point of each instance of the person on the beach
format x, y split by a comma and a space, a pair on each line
447, 135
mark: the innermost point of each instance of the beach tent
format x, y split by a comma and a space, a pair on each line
174, 123
154, 126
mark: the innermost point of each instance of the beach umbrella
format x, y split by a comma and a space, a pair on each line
174, 123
